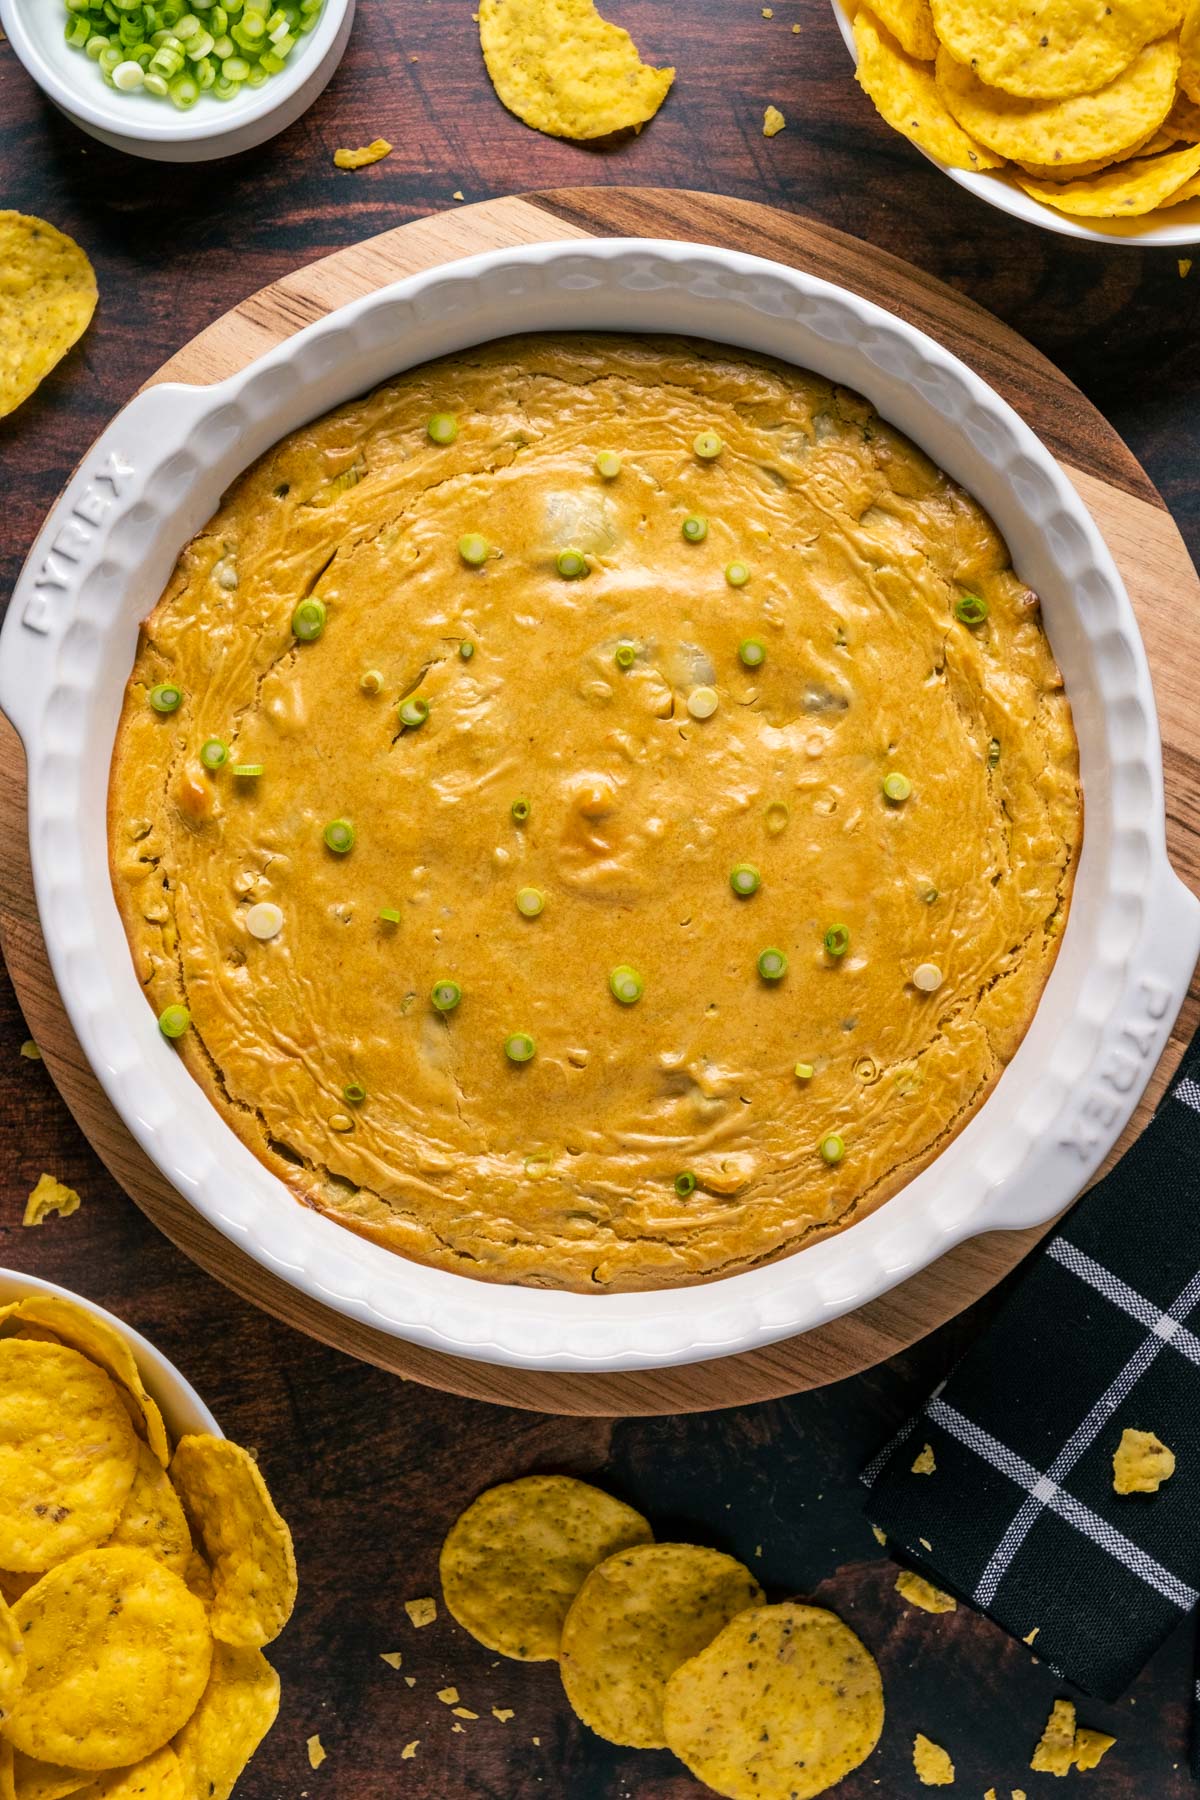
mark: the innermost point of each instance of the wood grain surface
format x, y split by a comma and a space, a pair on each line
371, 1470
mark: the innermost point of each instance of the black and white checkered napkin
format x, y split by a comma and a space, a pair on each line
1102, 1331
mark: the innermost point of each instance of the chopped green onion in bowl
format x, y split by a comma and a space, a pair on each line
166, 49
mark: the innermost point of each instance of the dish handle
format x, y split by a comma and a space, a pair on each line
67, 580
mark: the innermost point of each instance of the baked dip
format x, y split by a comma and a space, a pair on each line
597, 812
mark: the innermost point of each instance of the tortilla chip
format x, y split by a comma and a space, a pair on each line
1189, 49
515, 1560
236, 1711
911, 24
1083, 128
566, 71
152, 1518
918, 1592
906, 95
246, 1544
1141, 1463
932, 1764
1189, 191
96, 1339
33, 1780
1064, 171
316, 1751
156, 1777
781, 1705
1056, 1747
67, 1455
1051, 49
1128, 191
12, 1660
47, 298
634, 1620
118, 1656
49, 1196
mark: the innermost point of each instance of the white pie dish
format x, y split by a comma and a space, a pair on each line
141, 125
180, 1404
1171, 226
154, 477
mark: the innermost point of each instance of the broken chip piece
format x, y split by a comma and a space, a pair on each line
47, 298
1056, 1746
925, 1463
566, 71
361, 159
1141, 1463
932, 1764
50, 1196
421, 1612
918, 1592
773, 122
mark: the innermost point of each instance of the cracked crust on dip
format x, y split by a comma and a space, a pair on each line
608, 808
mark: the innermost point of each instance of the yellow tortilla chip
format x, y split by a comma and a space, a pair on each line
1189, 47
1183, 120
1141, 1463
246, 1544
316, 1751
634, 1620
932, 1764
1090, 1747
118, 1655
47, 298
773, 122
906, 95
96, 1339
925, 1463
1128, 191
67, 1454
515, 1560
152, 1518
33, 1780
1189, 191
781, 1705
49, 1196
911, 24
1064, 171
361, 159
236, 1711
918, 1592
30, 1051
12, 1660
1050, 49
1056, 1747
421, 1612
1083, 128
198, 1578
566, 71
156, 1777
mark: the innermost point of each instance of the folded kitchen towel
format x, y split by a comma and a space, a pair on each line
1018, 1514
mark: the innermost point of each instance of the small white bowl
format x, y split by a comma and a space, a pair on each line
142, 125
1171, 227
181, 1405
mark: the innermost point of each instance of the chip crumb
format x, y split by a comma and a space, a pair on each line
795, 31
925, 1543
316, 1753
1185, 267
410, 1680
536, 1741
503, 1713
29, 1049
918, 1592
1141, 1463
768, 12
1018, 1794
932, 1763
1056, 1746
421, 1612
990, 1795
1030, 1635
880, 1536
1090, 1746
360, 159
773, 122
458, 194
409, 1751
448, 1696
464, 1712
456, 1728
392, 1658
50, 1196
925, 1463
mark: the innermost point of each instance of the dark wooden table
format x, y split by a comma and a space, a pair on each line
370, 1471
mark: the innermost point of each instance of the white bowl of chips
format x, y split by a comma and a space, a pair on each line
141, 124
1131, 145
155, 476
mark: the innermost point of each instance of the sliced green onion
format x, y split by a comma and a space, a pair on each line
370, 681
896, 786
832, 1148
248, 770
520, 810
625, 655
173, 1021
166, 697
993, 753
707, 445
308, 620
608, 464
969, 609
520, 1047
530, 902
389, 915
571, 564
702, 702
446, 996
354, 1093
339, 835
214, 753
466, 649
772, 965
804, 1071
929, 895
414, 712
737, 574
695, 528
685, 1183
442, 428
752, 652
837, 940
474, 549
626, 984
745, 880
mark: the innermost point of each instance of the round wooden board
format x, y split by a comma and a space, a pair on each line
1139, 531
